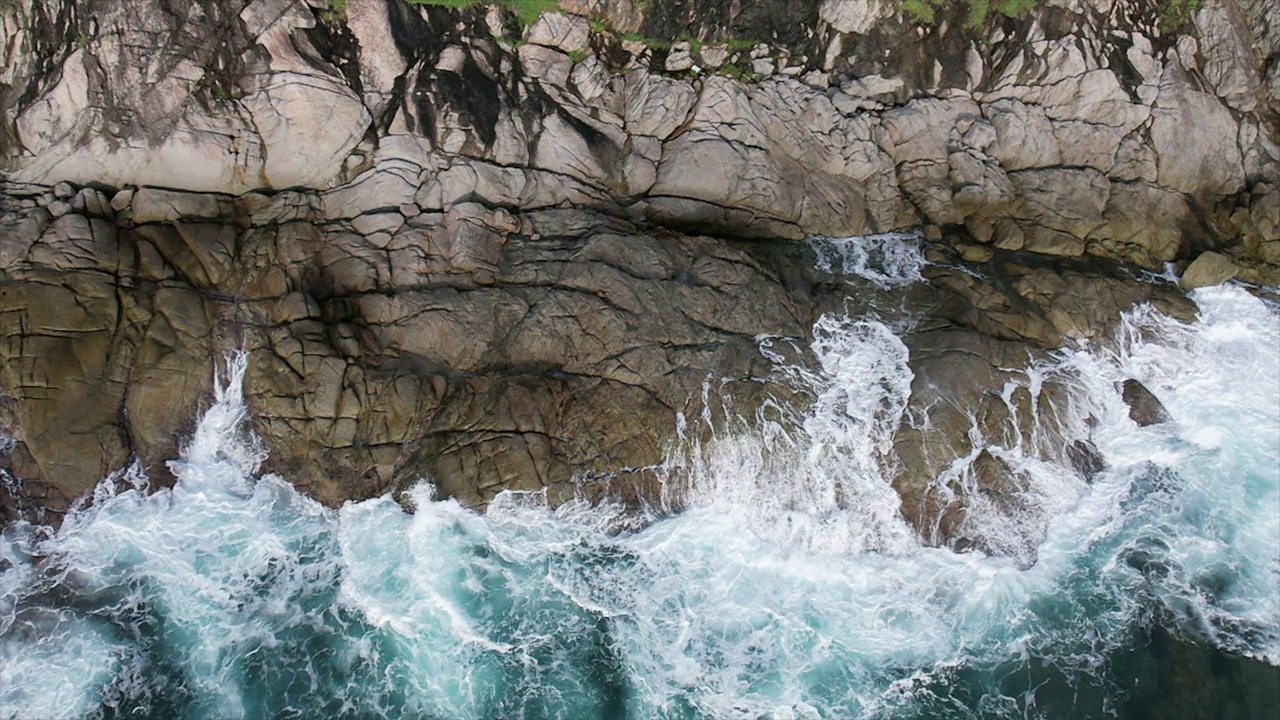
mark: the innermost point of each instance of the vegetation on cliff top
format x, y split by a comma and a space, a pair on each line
527, 10
1170, 13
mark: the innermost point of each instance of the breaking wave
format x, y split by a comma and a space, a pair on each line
788, 586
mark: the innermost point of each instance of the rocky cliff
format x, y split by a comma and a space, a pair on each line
506, 249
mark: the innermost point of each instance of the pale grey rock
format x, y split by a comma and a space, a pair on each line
302, 148
1140, 57
1087, 144
1187, 50
853, 16
922, 129
1206, 160
625, 16
48, 121
566, 32
380, 60
714, 56
1024, 135
876, 87
679, 58
389, 185
1135, 160
816, 79
591, 78
1067, 203
1145, 224
656, 105
1231, 64
547, 65
562, 149
122, 199
368, 224
152, 205
974, 70
172, 140
92, 203
981, 135
849, 105
1261, 153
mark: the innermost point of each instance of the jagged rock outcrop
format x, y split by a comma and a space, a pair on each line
482, 348
493, 251
1066, 133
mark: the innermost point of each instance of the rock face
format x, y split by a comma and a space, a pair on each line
1066, 133
398, 335
512, 254
485, 349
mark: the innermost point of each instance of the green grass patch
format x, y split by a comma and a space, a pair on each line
1171, 14
527, 10
732, 71
337, 11
695, 45
1176, 13
977, 12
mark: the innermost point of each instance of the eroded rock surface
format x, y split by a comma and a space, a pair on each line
484, 349
512, 255
1086, 129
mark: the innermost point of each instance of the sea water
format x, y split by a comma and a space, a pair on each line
786, 586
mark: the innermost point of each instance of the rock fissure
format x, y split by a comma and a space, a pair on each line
509, 255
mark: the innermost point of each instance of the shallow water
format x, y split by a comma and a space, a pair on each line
788, 587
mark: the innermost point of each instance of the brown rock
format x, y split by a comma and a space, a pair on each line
1209, 268
1144, 408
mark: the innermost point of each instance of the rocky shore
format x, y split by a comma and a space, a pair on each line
506, 251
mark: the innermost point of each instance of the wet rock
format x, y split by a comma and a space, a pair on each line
450, 289
497, 350
1144, 407
1207, 269
1085, 457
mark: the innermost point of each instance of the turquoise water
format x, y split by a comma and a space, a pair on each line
786, 588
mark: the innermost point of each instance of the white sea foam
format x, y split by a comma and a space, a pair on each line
817, 482
231, 596
888, 259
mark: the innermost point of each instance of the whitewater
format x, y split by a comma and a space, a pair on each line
777, 581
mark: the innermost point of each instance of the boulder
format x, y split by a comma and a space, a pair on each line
1209, 268
1144, 407
852, 16
569, 33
